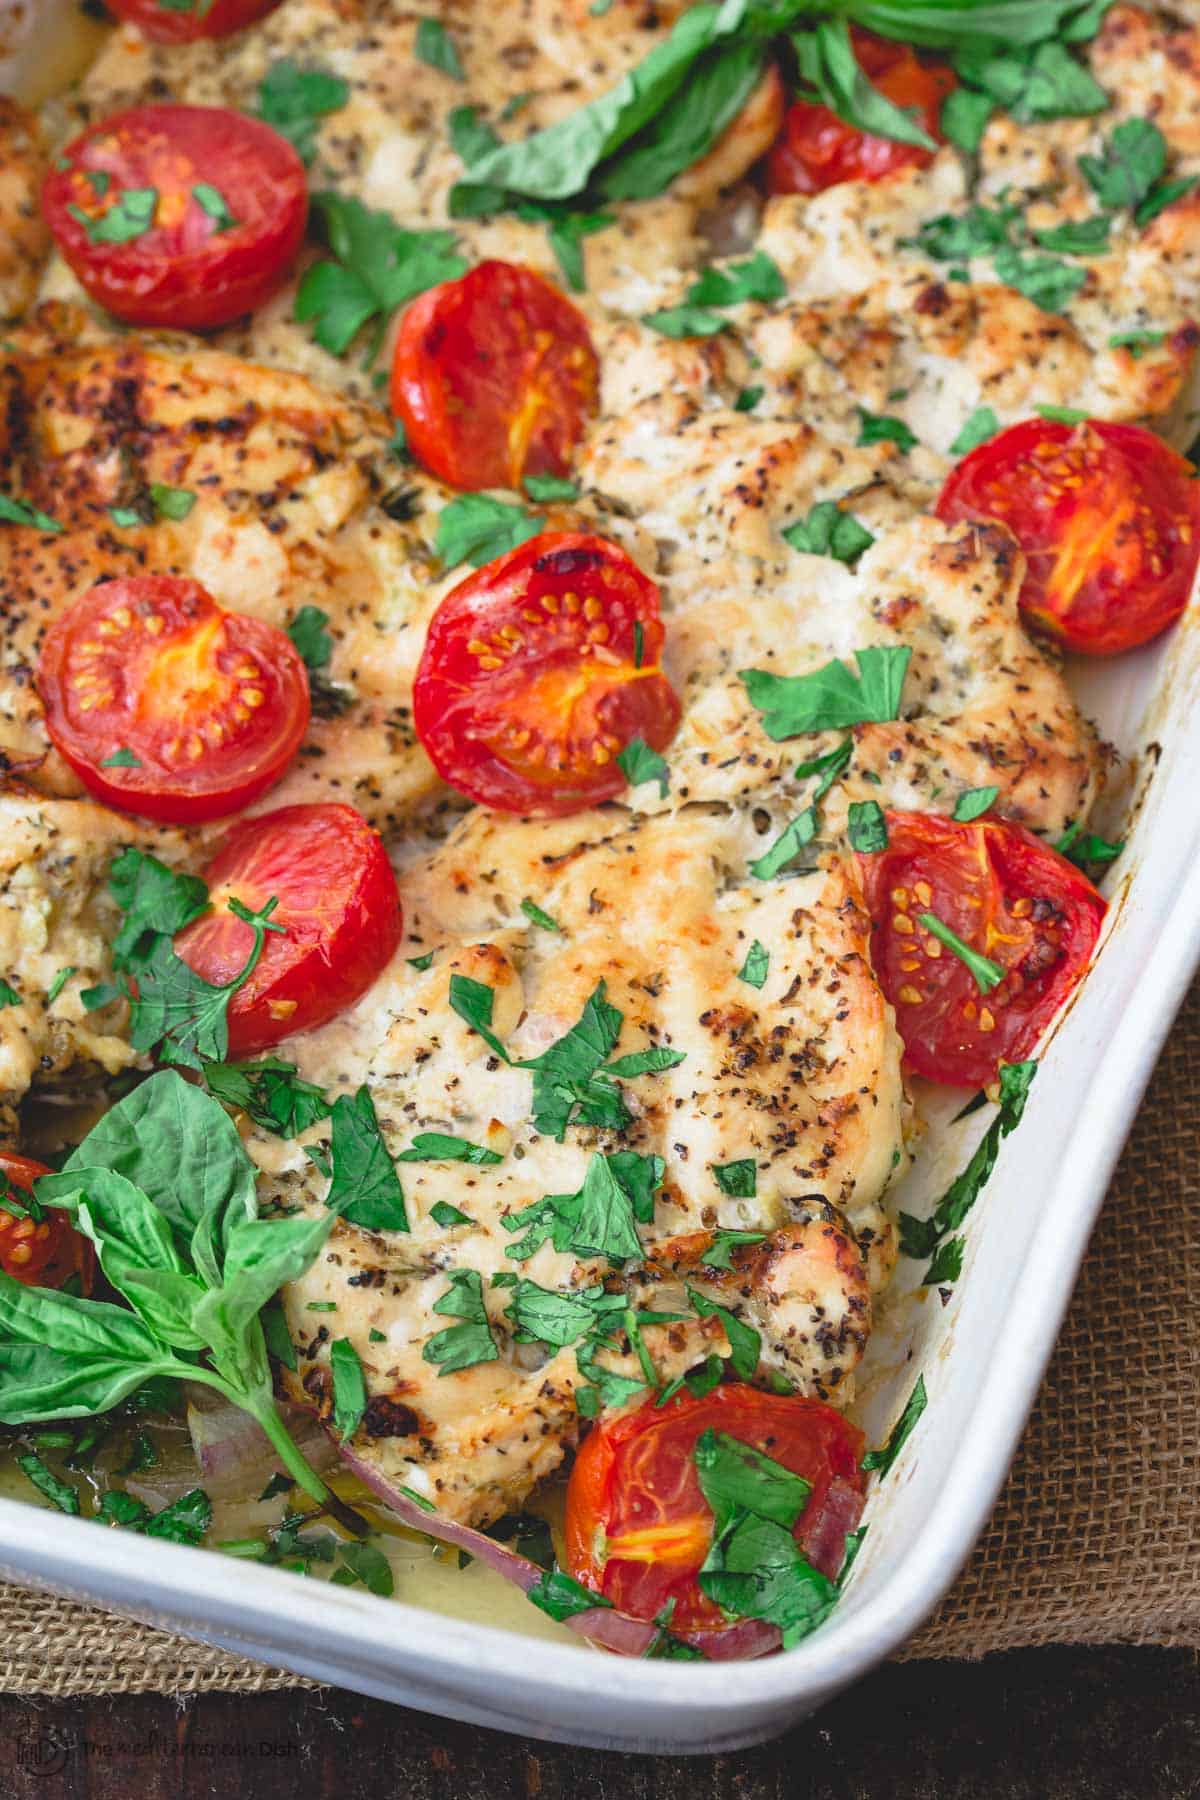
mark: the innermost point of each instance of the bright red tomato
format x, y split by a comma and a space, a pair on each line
817, 150
1108, 517
531, 683
337, 903
495, 377
638, 1526
184, 216
1010, 898
167, 706
183, 21
40, 1252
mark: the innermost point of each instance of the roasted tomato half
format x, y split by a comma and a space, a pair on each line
539, 670
638, 1527
41, 1252
184, 216
817, 150
183, 21
1108, 517
495, 377
168, 706
1009, 899
337, 904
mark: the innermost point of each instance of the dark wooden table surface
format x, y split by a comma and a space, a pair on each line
1107, 1724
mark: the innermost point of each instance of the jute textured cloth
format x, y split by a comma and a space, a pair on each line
1093, 1539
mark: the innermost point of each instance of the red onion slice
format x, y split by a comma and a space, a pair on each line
824, 1529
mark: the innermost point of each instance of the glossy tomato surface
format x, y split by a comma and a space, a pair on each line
337, 903
495, 377
817, 150
184, 216
40, 1252
1108, 517
1010, 898
183, 21
638, 1527
531, 683
168, 706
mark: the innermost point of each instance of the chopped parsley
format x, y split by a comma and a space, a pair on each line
364, 1187
271, 1092
787, 846
1086, 848
745, 1344
20, 512
1134, 159
547, 1316
9, 995
379, 266
58, 984
980, 428
987, 974
867, 827
561, 1597
349, 1388
719, 1254
1137, 342
748, 399
212, 201
476, 528
640, 763
464, 1345
445, 1215
601, 1219
738, 1179
882, 1460
437, 48
536, 916
130, 216
973, 803
756, 966
544, 488
293, 101
831, 698
882, 428
828, 531
59, 1493
122, 758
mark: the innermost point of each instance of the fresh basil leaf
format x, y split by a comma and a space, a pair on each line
59, 1493
293, 101
380, 265
831, 698
461, 1346
756, 966
867, 827
567, 1074
972, 803
365, 1188
601, 1219
641, 1177
1082, 850
640, 763
882, 1460
745, 1344
987, 974
685, 129
828, 66
1040, 82
719, 1254
605, 1224
439, 1146
528, 1534
565, 231
645, 1062
964, 118
435, 46
476, 528
957, 237
276, 1336
978, 429
470, 136
421, 962
787, 846
828, 531
738, 1179
349, 1388
271, 1093
920, 1237
62, 1357
881, 428
58, 984
1133, 160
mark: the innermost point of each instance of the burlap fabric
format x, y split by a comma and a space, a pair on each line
1093, 1539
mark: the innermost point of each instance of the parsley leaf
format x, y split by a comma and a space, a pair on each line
758, 278
831, 698
567, 1073
1031, 83
154, 899
724, 1242
349, 1388
946, 1264
561, 1597
745, 1344
601, 1219
756, 966
608, 1388
738, 1179
364, 1187
473, 1002
1048, 282
828, 531
293, 101
685, 321
546, 1316
536, 916
550, 487
461, 1346
1137, 342
476, 528
867, 827
882, 428
9, 995
172, 503
734, 1475
435, 46
987, 974
380, 265
748, 399
271, 1093
1134, 159
978, 429
365, 1563
177, 1011
19, 512
445, 1215
1077, 237
900, 1433
212, 201
122, 758
787, 846
972, 803
307, 632
130, 216
640, 763
1087, 849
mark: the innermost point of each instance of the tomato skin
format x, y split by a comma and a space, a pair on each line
339, 906
495, 377
528, 686
184, 272
1108, 517
46, 1252
817, 150
1011, 898
165, 26
151, 664
634, 1480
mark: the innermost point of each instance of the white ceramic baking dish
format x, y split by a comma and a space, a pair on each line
981, 1356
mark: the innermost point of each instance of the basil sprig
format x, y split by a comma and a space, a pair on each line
164, 1190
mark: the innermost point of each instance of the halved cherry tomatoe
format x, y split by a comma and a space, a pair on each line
1108, 517
168, 706
638, 1527
495, 377
184, 21
817, 150
1007, 897
337, 905
41, 1248
183, 216
538, 670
